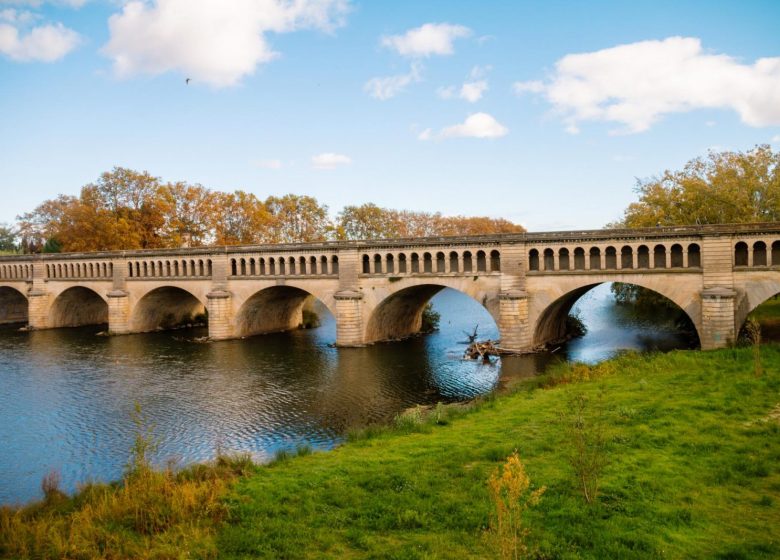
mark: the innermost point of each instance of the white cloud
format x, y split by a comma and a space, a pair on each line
472, 91
218, 43
476, 125
17, 17
776, 139
45, 43
426, 40
329, 160
389, 86
636, 84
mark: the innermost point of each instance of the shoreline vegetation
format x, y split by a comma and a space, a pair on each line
640, 456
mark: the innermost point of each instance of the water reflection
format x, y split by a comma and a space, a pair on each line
67, 395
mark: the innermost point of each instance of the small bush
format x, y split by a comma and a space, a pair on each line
510, 495
430, 319
587, 455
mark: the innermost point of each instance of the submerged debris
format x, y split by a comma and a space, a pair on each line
482, 351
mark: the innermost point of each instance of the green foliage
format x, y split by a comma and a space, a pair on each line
52, 246
575, 327
723, 187
7, 240
430, 319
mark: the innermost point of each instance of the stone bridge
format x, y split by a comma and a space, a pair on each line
377, 290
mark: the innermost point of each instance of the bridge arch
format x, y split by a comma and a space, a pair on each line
78, 306
165, 307
397, 311
13, 306
276, 308
549, 319
755, 292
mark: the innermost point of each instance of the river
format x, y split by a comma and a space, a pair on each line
67, 395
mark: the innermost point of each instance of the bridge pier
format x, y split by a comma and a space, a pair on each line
38, 311
349, 318
219, 308
717, 318
118, 312
513, 323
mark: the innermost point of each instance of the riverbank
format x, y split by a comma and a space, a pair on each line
692, 448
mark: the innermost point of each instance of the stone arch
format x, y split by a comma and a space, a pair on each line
165, 307
399, 313
533, 259
13, 306
549, 323
78, 306
755, 293
276, 309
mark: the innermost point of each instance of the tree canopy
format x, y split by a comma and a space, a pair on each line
126, 209
723, 187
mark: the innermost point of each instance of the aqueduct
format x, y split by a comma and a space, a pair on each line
377, 289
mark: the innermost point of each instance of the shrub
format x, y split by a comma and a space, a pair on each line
430, 319
586, 437
510, 494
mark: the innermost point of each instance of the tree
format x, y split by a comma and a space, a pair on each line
7, 239
239, 218
723, 187
297, 219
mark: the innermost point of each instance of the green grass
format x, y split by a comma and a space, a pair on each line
693, 449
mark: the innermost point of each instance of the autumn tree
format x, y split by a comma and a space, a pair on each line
723, 187
369, 221
297, 218
238, 218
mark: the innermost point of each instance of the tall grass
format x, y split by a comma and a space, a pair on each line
150, 513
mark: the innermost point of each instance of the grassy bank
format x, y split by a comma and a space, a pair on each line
691, 442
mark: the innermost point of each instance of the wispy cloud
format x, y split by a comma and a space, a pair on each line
330, 160
389, 86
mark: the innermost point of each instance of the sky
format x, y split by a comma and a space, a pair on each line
545, 113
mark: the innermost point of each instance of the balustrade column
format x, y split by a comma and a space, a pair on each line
556, 261
634, 258
685, 258
587, 261
668, 258
750, 255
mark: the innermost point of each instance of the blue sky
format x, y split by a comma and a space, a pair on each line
544, 113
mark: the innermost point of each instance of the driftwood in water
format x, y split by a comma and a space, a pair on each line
482, 351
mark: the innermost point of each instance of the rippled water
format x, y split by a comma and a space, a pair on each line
67, 395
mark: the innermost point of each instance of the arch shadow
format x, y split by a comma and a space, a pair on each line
13, 306
278, 309
76, 307
166, 307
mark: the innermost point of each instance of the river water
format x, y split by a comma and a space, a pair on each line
67, 395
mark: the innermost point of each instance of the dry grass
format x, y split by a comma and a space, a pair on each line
150, 513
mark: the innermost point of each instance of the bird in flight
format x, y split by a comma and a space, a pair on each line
187, 81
